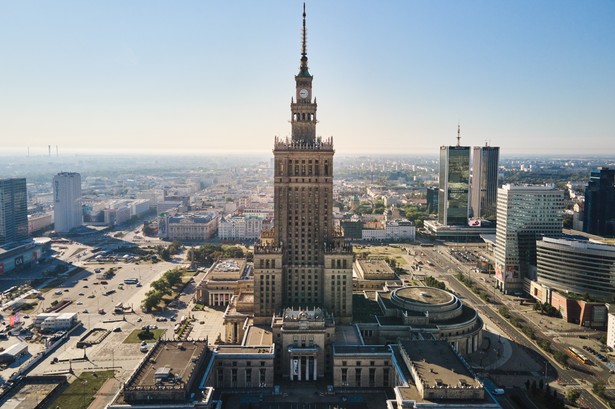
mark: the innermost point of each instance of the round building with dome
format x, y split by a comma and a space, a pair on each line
418, 313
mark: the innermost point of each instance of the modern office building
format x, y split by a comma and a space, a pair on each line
484, 188
67, 212
305, 260
577, 266
13, 210
432, 199
454, 187
599, 217
525, 214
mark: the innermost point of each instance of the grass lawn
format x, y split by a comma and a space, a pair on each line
133, 338
80, 393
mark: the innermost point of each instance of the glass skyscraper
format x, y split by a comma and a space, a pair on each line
600, 203
484, 192
454, 188
13, 210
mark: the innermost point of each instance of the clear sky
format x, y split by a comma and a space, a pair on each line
390, 76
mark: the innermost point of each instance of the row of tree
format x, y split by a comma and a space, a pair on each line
208, 253
172, 249
161, 287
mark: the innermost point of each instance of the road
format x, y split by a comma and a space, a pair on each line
449, 266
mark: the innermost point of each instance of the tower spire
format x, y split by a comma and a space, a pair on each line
304, 58
458, 134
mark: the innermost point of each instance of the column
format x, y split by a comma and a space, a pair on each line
307, 368
299, 370
291, 368
315, 370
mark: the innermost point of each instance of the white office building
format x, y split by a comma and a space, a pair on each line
67, 213
51, 322
524, 214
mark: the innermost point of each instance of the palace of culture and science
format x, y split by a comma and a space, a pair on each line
302, 295
304, 261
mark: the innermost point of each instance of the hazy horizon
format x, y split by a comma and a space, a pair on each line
390, 78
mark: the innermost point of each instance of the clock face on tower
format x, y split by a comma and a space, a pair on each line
303, 93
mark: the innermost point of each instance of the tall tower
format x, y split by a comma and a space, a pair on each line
484, 188
67, 213
454, 184
13, 210
525, 213
304, 261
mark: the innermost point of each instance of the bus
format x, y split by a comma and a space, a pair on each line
109, 292
131, 281
578, 355
9, 291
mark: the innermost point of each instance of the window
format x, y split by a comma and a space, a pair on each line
372, 377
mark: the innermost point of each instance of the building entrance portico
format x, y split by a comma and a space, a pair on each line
303, 364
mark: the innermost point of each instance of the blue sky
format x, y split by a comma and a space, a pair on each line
393, 76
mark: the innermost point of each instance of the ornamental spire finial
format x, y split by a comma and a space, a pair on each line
304, 58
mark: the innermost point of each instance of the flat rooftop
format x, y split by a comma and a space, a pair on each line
180, 356
437, 364
375, 268
230, 269
257, 336
347, 335
245, 350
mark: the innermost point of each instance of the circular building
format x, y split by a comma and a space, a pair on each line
427, 313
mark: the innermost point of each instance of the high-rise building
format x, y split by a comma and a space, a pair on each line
432, 200
577, 266
599, 215
484, 188
525, 214
453, 194
67, 211
13, 210
304, 261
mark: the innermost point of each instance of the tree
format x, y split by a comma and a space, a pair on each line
561, 357
598, 388
173, 277
161, 286
151, 300
572, 395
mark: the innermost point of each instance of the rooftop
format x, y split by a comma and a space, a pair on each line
179, 357
424, 295
437, 365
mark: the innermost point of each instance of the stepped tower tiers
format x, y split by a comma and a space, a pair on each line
304, 261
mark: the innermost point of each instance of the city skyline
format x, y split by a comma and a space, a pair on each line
394, 77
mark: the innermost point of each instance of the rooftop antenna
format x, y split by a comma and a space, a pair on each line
458, 134
49, 149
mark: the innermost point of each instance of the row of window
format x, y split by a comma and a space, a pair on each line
302, 167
